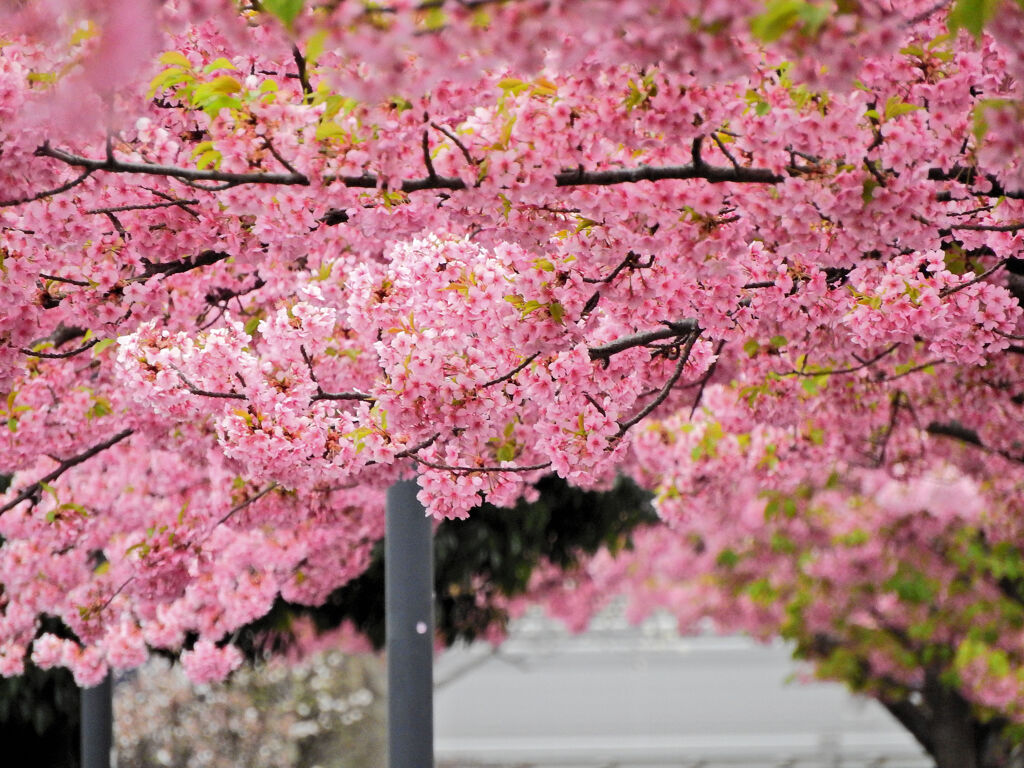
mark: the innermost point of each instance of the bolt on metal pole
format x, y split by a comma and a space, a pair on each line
97, 724
409, 623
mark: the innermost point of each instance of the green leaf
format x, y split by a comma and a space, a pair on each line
813, 384
285, 10
435, 18
175, 58
506, 452
220, 63
251, 325
315, 46
209, 158
779, 16
895, 106
727, 558
557, 312
971, 15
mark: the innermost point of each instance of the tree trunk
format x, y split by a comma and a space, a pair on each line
953, 728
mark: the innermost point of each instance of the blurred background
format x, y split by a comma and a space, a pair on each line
615, 695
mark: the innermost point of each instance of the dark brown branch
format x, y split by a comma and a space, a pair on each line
412, 451
300, 65
427, 160
714, 174
31, 491
144, 206
186, 175
61, 355
49, 192
890, 427
632, 261
511, 373
68, 280
706, 378
183, 204
449, 468
672, 330
957, 431
573, 178
194, 390
953, 289
968, 176
321, 395
166, 268
362, 396
852, 369
279, 157
989, 227
239, 507
624, 426
457, 142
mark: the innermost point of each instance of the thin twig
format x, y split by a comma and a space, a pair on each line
49, 192
239, 507
30, 491
279, 157
194, 390
68, 280
418, 447
61, 355
953, 289
706, 378
511, 373
144, 206
449, 468
684, 356
852, 369
631, 261
725, 151
457, 142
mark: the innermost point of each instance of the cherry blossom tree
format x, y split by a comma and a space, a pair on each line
259, 261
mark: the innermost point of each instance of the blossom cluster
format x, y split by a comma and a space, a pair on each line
277, 262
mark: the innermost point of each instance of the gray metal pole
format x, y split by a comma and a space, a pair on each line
409, 622
97, 724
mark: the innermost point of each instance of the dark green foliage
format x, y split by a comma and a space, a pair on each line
39, 718
477, 561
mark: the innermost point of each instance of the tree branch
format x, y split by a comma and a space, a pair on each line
449, 468
144, 206
47, 193
61, 355
30, 491
511, 373
113, 165
624, 426
300, 65
672, 330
